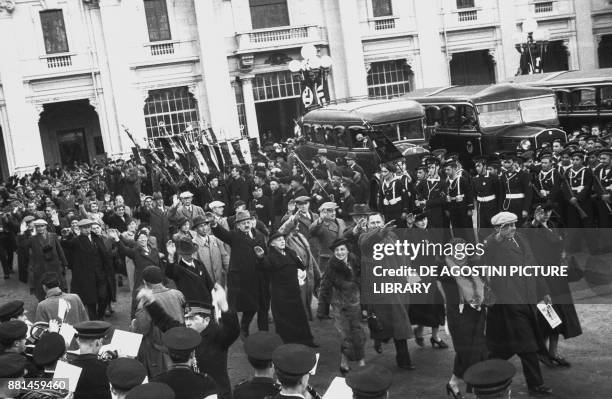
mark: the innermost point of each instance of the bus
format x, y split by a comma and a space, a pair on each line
349, 126
583, 97
484, 119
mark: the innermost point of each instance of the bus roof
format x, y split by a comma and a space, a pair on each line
566, 78
481, 94
374, 112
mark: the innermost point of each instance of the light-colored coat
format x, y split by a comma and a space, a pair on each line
322, 236
211, 252
48, 308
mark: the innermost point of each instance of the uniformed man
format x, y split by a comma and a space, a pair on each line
13, 339
13, 310
490, 378
93, 383
184, 381
259, 348
579, 214
391, 193
352, 164
487, 190
516, 186
293, 363
12, 368
151, 390
50, 348
123, 375
459, 201
547, 182
603, 188
430, 195
370, 382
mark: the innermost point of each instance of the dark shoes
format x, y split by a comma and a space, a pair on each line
378, 346
406, 366
420, 341
439, 344
559, 361
541, 390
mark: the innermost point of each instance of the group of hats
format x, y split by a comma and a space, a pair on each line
128, 375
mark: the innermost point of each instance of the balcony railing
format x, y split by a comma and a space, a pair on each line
166, 51
384, 24
162, 49
543, 7
60, 61
290, 36
61, 64
470, 15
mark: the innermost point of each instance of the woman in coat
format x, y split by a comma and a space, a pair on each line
340, 288
45, 255
284, 269
466, 317
142, 254
547, 245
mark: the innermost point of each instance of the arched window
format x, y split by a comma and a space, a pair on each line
176, 107
389, 79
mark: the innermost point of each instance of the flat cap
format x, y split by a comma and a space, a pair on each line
152, 275
40, 222
216, 204
294, 359
13, 329
350, 155
193, 308
370, 381
261, 345
11, 309
12, 365
302, 199
84, 223
198, 220
92, 329
328, 205
125, 373
49, 348
503, 218
181, 339
28, 219
490, 376
151, 390
186, 194
322, 151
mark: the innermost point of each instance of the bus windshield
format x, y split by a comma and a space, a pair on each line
402, 131
532, 110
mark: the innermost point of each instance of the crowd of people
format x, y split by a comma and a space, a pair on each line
204, 256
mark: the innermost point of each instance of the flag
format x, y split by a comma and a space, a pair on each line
178, 144
217, 150
246, 151
213, 137
210, 157
384, 148
200, 162
232, 151
226, 154
321, 97
137, 156
168, 148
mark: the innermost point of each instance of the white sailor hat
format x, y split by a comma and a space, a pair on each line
216, 204
39, 222
186, 194
503, 218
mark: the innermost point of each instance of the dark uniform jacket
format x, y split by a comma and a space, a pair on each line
516, 184
550, 183
187, 384
257, 388
261, 206
93, 383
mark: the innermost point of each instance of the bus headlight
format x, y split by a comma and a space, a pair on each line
525, 144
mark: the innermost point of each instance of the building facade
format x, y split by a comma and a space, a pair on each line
75, 73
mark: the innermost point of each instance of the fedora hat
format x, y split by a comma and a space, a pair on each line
360, 209
185, 247
242, 216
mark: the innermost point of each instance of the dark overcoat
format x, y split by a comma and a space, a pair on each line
287, 308
160, 226
246, 279
512, 322
93, 383
45, 255
92, 268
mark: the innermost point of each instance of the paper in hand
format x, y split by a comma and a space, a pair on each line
338, 390
549, 314
67, 332
126, 343
69, 372
62, 308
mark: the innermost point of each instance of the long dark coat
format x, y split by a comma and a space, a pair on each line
92, 268
246, 280
131, 188
53, 260
194, 282
287, 308
160, 226
512, 323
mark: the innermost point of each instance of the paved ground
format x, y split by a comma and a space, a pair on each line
590, 354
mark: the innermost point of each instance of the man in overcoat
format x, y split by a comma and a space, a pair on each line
45, 255
512, 324
247, 283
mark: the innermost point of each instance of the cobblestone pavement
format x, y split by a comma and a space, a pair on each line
590, 354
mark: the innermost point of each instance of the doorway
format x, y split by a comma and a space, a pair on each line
276, 119
72, 146
472, 68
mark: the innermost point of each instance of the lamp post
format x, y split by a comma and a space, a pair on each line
531, 44
313, 70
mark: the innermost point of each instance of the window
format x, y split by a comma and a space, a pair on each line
157, 20
176, 107
275, 86
389, 79
382, 8
465, 4
54, 31
269, 13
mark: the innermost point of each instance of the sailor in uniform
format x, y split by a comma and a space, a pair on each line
391, 194
603, 188
487, 190
458, 201
259, 348
371, 381
293, 363
547, 182
516, 185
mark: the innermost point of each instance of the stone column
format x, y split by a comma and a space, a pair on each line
509, 62
585, 57
428, 19
215, 71
21, 133
249, 105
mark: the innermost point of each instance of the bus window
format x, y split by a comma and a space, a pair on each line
606, 98
319, 136
448, 117
358, 137
389, 131
563, 100
583, 99
499, 114
411, 130
330, 137
342, 139
458, 116
306, 132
